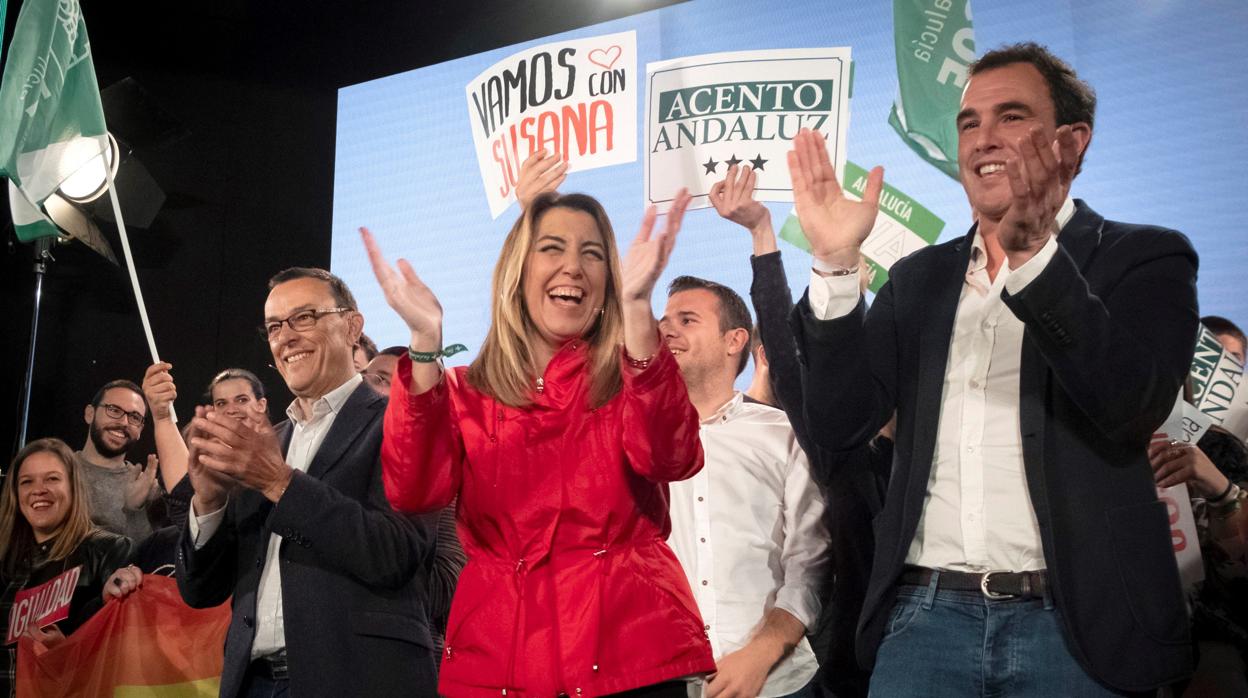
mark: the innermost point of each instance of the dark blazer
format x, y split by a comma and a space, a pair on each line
353, 571
1109, 329
852, 482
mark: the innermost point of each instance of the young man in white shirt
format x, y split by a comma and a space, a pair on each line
747, 528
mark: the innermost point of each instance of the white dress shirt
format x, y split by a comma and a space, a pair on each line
977, 515
305, 441
747, 530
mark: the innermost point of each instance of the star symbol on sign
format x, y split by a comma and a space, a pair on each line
758, 162
732, 161
710, 166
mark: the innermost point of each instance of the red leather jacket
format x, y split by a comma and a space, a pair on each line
569, 587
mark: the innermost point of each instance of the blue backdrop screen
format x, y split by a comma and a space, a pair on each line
1168, 149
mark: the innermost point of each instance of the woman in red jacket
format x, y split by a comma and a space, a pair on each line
559, 440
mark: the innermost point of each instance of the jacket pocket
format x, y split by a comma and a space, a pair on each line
393, 626
1140, 534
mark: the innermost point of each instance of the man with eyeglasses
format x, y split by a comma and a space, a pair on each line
328, 583
119, 491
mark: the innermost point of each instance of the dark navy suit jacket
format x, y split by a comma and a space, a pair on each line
353, 571
1110, 326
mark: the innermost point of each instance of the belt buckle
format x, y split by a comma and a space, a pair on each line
988, 593
279, 670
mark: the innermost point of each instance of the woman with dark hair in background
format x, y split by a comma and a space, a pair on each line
235, 391
1216, 472
46, 532
559, 441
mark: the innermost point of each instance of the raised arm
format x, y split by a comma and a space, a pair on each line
846, 357
1081, 333
422, 451
733, 198
660, 427
647, 258
660, 424
160, 391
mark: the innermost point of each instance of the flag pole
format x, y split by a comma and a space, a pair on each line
43, 252
134, 277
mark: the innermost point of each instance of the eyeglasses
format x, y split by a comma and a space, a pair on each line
135, 419
301, 321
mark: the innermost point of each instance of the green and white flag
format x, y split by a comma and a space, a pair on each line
902, 226
934, 43
51, 121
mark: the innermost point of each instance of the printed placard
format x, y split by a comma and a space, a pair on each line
706, 113
1185, 423
1183, 534
575, 98
902, 226
1182, 426
42, 605
1216, 379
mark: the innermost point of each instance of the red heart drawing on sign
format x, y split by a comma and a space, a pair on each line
605, 57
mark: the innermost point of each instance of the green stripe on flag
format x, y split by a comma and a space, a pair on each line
4, 15
51, 120
934, 42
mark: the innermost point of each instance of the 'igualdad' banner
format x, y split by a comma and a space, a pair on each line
707, 113
42, 605
576, 99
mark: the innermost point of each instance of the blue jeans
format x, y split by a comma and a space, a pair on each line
958, 643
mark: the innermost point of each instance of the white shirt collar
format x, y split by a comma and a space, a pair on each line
725, 410
1064, 214
330, 402
979, 255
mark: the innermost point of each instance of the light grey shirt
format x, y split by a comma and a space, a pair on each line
106, 495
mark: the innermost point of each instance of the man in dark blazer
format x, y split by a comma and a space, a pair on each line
1022, 549
853, 482
292, 523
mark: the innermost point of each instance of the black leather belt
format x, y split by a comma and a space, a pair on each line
993, 585
273, 667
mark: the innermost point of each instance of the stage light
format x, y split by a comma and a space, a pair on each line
91, 180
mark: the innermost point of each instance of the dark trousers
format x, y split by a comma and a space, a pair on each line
667, 689
258, 686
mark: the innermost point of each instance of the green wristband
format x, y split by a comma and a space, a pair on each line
428, 357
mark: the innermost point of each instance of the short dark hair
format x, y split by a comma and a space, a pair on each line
119, 383
369, 347
1220, 325
1227, 452
229, 374
756, 338
1074, 100
733, 313
337, 287
395, 351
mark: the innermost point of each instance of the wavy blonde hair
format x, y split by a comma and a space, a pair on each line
17, 538
505, 368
